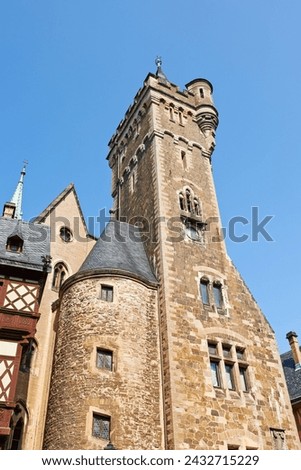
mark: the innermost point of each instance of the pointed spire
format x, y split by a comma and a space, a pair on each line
17, 197
159, 73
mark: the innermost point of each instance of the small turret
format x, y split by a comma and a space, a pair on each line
207, 115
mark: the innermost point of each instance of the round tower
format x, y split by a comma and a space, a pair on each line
207, 115
106, 379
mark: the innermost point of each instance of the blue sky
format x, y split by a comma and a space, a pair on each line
70, 69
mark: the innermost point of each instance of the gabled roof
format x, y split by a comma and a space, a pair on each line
120, 250
292, 376
36, 244
70, 188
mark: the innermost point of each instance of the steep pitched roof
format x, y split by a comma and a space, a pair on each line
36, 244
70, 188
120, 249
292, 376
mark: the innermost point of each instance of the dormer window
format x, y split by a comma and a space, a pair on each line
14, 244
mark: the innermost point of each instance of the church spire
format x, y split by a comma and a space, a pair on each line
17, 197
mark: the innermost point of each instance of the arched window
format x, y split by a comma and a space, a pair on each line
16, 443
218, 295
196, 206
204, 288
59, 275
181, 201
188, 200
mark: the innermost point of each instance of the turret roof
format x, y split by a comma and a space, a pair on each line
120, 249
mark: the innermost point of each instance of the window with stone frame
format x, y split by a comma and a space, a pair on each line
229, 369
106, 293
188, 202
101, 426
204, 289
104, 359
218, 295
60, 273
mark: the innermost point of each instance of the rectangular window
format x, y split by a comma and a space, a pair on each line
204, 292
215, 374
226, 351
217, 294
243, 378
107, 293
240, 353
227, 371
229, 376
212, 347
101, 426
104, 359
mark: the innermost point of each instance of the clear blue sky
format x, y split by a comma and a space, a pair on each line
70, 69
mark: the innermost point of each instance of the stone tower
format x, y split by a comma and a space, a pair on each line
191, 332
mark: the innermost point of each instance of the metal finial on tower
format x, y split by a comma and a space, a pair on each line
160, 74
158, 61
18, 194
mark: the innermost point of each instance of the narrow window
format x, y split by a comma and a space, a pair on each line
101, 426
204, 291
215, 376
171, 115
201, 92
59, 275
229, 376
196, 206
104, 359
188, 200
184, 160
217, 294
243, 378
181, 202
17, 435
180, 118
107, 293
132, 181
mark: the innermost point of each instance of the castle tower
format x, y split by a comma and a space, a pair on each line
222, 381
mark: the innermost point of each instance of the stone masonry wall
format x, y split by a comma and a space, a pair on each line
131, 393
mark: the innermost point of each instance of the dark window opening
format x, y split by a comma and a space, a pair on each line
14, 244
17, 436
204, 291
59, 275
104, 359
107, 293
101, 426
218, 296
66, 234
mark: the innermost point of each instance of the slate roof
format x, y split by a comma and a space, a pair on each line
121, 249
36, 243
292, 376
